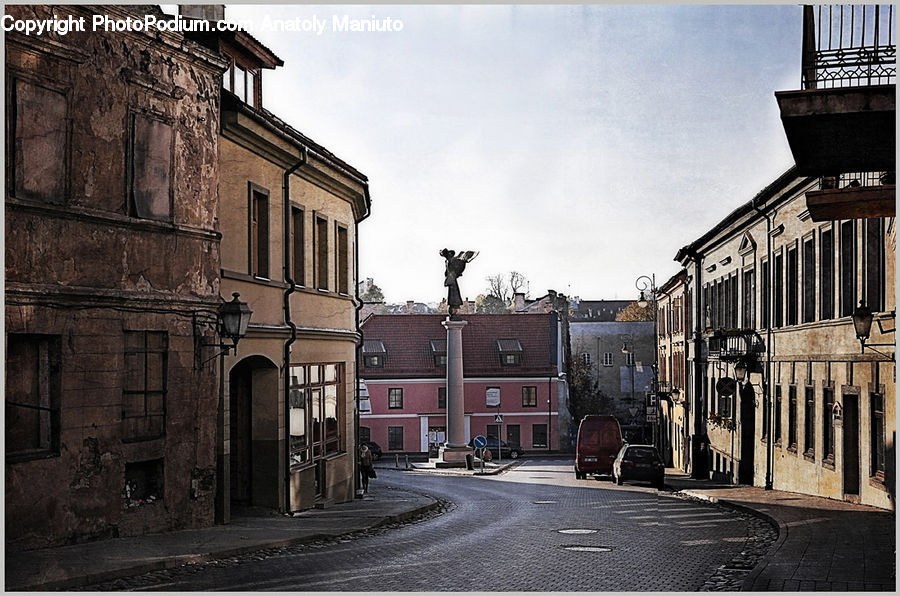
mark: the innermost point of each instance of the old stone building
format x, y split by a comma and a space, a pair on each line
289, 215
112, 258
673, 332
776, 294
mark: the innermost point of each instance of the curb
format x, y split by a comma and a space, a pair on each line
747, 584
179, 560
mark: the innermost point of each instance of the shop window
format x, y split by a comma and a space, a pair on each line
143, 483
41, 143
828, 424
877, 434
32, 396
539, 435
151, 168
144, 395
395, 438
316, 408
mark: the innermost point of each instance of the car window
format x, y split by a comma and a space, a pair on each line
642, 454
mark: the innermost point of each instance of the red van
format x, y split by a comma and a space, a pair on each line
599, 441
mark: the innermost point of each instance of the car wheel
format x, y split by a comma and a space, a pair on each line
514, 455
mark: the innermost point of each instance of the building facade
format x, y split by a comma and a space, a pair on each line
673, 325
289, 215
513, 366
112, 259
776, 294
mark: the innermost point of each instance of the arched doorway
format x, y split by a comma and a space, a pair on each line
253, 402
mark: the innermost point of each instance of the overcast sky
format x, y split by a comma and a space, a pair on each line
579, 145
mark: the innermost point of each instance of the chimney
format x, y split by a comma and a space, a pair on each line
519, 300
410, 304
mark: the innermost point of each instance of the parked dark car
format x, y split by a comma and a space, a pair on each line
504, 450
375, 448
639, 462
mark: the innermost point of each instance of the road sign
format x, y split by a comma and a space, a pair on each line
479, 442
633, 412
498, 418
725, 386
651, 417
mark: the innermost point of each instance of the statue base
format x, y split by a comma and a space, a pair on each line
453, 457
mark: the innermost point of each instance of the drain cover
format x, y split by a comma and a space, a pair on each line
577, 531
544, 502
588, 549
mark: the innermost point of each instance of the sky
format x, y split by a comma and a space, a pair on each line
581, 146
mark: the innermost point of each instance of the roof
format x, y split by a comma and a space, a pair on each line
408, 342
598, 310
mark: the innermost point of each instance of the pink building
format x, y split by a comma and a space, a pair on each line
512, 367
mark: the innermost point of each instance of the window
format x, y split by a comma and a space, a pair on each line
586, 358
778, 414
365, 434
242, 82
439, 351
607, 359
395, 398
321, 253
144, 483
395, 438
809, 280
828, 424
539, 435
259, 232
764, 294
792, 286
809, 421
874, 272
316, 411
373, 353
41, 143
766, 413
298, 244
877, 433
778, 291
629, 359
342, 259
529, 397
492, 431
510, 352
748, 318
848, 268
792, 416
826, 275
442, 398
144, 395
733, 301
151, 168
32, 396
513, 434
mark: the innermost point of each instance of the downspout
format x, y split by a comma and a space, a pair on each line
359, 341
767, 402
699, 455
287, 252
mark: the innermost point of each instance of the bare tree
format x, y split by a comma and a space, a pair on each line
505, 287
517, 282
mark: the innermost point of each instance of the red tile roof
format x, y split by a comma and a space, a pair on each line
407, 340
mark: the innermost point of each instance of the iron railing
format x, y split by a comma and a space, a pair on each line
851, 179
848, 46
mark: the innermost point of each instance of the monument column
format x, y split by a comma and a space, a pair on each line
455, 449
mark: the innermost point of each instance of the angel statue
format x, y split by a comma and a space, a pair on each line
456, 264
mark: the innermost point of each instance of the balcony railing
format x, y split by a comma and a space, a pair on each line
854, 179
848, 46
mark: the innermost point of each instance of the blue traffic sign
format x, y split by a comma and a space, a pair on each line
479, 442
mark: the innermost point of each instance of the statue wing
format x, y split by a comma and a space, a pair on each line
469, 256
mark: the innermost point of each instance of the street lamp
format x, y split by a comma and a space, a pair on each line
646, 285
234, 317
862, 322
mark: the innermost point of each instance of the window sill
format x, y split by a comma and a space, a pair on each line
828, 463
792, 449
810, 456
877, 481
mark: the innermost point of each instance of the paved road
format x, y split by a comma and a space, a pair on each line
534, 527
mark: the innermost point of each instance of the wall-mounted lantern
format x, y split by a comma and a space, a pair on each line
862, 323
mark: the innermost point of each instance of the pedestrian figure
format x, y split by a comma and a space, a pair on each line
366, 469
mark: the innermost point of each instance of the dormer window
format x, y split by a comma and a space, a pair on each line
373, 353
243, 82
510, 352
439, 351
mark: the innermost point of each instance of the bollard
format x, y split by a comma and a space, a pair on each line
470, 463
397, 460
407, 461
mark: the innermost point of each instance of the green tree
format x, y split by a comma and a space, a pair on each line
636, 312
372, 294
490, 304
